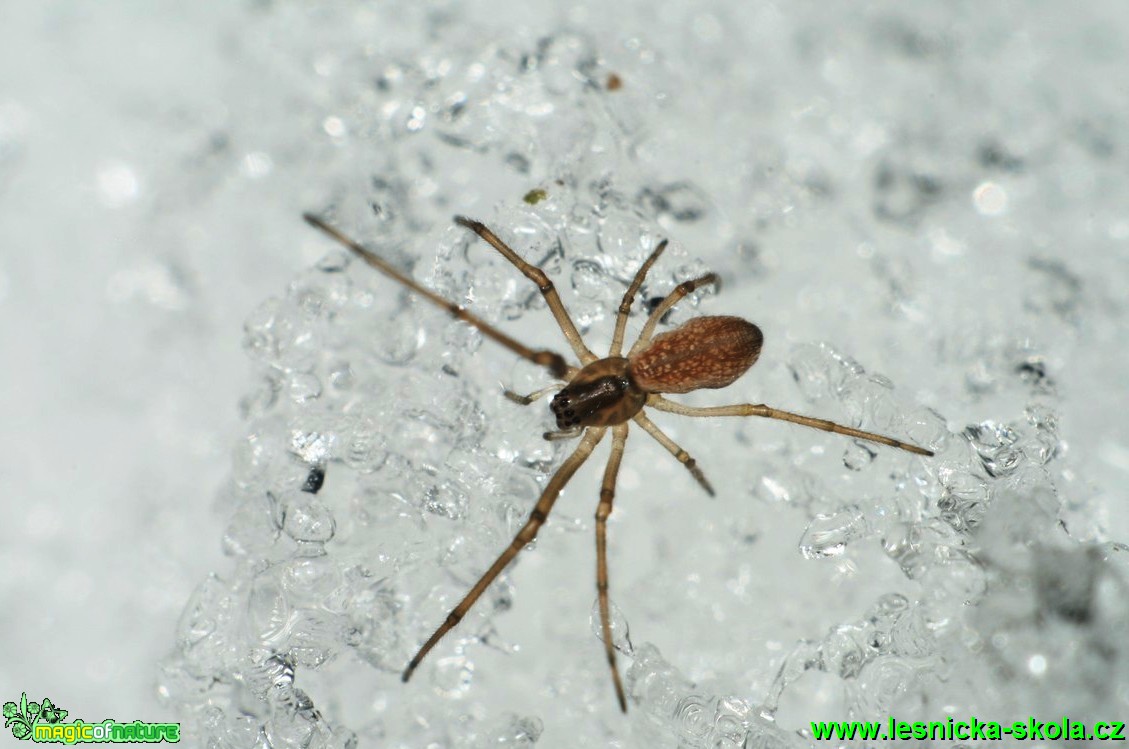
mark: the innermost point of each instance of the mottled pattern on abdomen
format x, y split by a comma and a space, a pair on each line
706, 352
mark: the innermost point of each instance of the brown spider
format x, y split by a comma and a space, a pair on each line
705, 352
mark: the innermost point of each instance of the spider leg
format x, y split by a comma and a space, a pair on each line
527, 533
768, 412
672, 447
603, 510
671, 299
629, 299
544, 285
551, 360
525, 400
563, 434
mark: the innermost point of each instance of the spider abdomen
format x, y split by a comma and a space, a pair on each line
705, 352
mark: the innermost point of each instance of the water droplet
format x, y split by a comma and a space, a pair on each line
828, 535
453, 675
403, 338
276, 334
308, 520
858, 456
990, 199
313, 447
995, 445
693, 718
845, 651
304, 387
621, 632
588, 279
820, 371
334, 127
269, 613
882, 681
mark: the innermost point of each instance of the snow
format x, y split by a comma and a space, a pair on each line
922, 207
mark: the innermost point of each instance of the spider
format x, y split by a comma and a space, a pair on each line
609, 393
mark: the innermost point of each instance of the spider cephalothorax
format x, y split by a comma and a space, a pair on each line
602, 394
609, 392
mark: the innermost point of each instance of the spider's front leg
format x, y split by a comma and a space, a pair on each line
603, 510
525, 400
544, 285
527, 533
551, 360
563, 434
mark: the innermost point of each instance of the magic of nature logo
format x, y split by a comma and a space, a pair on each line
43, 722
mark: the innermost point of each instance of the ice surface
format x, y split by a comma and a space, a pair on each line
922, 207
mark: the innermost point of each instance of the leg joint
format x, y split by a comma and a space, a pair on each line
553, 361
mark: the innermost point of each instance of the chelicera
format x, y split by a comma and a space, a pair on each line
610, 393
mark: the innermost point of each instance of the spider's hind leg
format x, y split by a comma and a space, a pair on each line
768, 412
673, 298
672, 447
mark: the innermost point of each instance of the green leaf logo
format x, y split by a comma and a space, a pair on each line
22, 718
